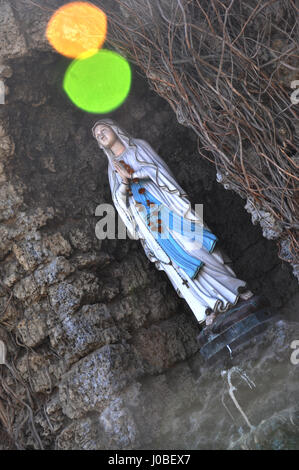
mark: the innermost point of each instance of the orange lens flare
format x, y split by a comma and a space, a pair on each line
76, 28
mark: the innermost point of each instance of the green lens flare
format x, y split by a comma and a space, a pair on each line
98, 82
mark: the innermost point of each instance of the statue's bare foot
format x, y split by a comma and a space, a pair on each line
246, 295
210, 319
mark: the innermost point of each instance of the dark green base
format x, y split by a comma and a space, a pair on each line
237, 326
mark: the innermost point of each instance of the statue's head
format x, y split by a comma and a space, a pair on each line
107, 132
105, 135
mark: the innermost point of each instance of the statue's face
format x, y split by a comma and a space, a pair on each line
105, 136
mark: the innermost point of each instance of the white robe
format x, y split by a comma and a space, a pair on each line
216, 285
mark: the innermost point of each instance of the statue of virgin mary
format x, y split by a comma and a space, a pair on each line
156, 210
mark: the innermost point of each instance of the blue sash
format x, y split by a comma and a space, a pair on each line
188, 263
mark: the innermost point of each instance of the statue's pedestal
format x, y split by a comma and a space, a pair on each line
235, 327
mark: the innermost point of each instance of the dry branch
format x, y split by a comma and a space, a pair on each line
226, 68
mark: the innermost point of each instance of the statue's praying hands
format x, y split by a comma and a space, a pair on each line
122, 171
